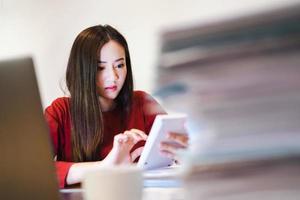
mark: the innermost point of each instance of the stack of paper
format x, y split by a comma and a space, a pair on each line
239, 83
249, 98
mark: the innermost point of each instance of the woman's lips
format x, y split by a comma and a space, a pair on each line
111, 88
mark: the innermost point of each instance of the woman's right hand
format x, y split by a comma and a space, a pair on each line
120, 154
123, 143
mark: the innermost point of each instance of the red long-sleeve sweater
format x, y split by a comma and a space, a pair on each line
144, 109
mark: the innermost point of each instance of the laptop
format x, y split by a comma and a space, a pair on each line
26, 165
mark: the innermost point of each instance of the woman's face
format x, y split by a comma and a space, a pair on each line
111, 72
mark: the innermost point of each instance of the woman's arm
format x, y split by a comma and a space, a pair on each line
120, 154
77, 171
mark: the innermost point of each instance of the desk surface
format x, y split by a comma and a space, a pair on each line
148, 194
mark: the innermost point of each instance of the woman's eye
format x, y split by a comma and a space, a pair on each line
120, 65
100, 68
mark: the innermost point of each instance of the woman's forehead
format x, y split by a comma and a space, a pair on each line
112, 51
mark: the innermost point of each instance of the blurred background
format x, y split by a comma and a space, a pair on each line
46, 29
232, 66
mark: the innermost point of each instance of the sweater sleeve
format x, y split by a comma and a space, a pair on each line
53, 118
62, 169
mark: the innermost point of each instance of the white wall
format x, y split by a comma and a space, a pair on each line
46, 29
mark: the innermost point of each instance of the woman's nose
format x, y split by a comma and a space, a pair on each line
112, 74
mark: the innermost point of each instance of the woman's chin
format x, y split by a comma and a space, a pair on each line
111, 95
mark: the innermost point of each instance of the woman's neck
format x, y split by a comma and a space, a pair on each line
107, 104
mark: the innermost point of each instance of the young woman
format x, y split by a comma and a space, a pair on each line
103, 122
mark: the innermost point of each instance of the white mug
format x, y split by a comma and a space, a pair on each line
113, 183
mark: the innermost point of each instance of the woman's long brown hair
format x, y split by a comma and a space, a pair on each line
85, 109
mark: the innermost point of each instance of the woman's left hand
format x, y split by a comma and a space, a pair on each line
173, 143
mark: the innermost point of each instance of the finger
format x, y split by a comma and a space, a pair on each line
139, 135
133, 136
181, 138
167, 154
136, 153
121, 138
139, 132
172, 144
170, 147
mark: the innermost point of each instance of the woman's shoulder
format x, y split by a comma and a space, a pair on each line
147, 101
59, 105
60, 101
137, 94
142, 96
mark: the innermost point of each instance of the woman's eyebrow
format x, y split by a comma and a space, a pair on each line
119, 59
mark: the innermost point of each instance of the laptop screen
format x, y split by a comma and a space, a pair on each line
26, 168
